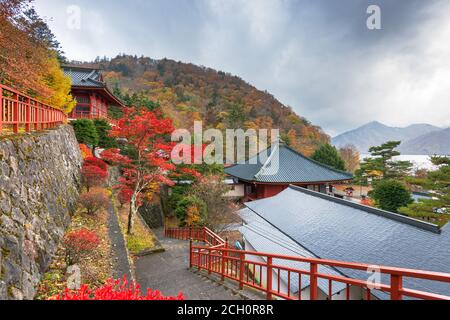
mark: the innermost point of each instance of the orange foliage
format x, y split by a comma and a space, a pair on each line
85, 151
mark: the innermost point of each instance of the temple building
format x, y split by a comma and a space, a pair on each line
93, 96
283, 167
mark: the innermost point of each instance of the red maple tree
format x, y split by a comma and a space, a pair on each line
93, 161
146, 133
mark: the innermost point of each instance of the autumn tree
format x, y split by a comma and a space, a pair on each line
146, 133
93, 176
328, 155
351, 157
221, 210
29, 57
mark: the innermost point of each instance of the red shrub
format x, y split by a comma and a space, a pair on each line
94, 200
93, 161
115, 290
79, 242
93, 176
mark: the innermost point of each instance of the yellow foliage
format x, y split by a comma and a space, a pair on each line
193, 216
60, 85
151, 190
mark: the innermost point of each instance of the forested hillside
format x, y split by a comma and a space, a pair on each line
187, 92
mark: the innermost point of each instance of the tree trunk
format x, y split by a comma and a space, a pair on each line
131, 214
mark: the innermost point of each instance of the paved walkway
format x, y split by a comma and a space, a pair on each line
168, 272
121, 265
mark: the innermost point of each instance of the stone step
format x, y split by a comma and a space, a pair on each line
214, 280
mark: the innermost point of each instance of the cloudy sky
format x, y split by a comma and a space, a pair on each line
317, 56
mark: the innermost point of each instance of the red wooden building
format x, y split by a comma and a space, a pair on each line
284, 166
92, 95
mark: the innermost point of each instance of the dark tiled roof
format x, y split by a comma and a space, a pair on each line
293, 168
263, 237
340, 230
84, 77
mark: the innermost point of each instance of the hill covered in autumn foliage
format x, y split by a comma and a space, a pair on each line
187, 92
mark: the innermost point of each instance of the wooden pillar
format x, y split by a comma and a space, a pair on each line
91, 97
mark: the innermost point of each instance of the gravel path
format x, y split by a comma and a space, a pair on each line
121, 265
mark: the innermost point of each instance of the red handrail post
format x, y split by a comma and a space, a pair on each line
209, 261
15, 105
190, 253
269, 278
241, 271
1, 108
224, 259
396, 287
313, 281
27, 115
224, 265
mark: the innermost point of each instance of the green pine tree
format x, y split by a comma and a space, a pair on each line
328, 155
437, 209
380, 165
85, 132
104, 140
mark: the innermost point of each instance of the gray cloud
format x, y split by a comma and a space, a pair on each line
315, 55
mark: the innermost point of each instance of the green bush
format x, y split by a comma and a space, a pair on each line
104, 140
85, 132
390, 195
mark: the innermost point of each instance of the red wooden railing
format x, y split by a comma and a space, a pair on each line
262, 271
92, 116
198, 234
20, 111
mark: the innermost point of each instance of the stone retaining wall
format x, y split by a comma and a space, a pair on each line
39, 182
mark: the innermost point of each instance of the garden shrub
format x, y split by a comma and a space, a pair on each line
78, 243
94, 200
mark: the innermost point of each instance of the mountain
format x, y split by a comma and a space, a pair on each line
376, 133
436, 142
187, 92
